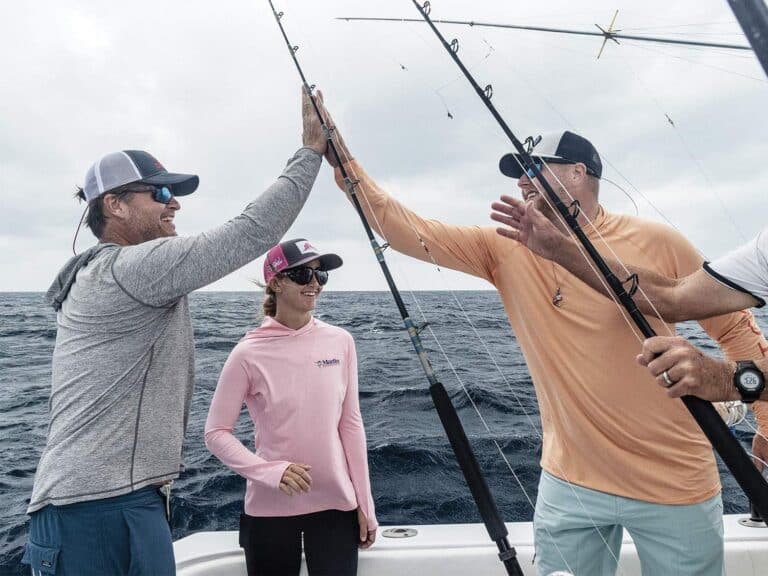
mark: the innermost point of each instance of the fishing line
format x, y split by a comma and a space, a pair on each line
532, 86
352, 191
527, 332
687, 149
637, 336
623, 191
497, 531
709, 420
734, 411
493, 359
421, 241
625, 268
345, 159
730, 421
718, 68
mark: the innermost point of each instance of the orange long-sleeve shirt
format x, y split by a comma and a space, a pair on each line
606, 424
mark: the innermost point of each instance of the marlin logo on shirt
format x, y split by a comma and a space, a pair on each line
327, 363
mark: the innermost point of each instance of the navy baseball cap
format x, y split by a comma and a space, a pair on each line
129, 166
556, 148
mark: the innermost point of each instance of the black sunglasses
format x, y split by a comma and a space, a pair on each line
303, 275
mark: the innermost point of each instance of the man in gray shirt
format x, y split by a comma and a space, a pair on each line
123, 364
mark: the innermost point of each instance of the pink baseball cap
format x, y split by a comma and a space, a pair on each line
296, 252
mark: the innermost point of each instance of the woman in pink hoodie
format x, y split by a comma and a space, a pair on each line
309, 473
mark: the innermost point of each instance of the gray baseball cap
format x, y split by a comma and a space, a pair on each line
129, 166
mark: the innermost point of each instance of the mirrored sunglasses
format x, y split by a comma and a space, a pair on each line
162, 194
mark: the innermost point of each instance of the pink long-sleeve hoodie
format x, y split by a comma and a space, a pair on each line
300, 387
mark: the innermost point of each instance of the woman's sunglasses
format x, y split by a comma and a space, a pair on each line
303, 275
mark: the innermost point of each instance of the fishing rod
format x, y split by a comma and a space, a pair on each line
605, 33
753, 19
710, 422
448, 417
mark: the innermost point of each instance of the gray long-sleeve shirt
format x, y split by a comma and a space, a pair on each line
123, 364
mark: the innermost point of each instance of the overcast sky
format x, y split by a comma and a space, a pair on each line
210, 89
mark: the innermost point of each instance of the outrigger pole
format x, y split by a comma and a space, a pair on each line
605, 33
448, 416
753, 18
713, 426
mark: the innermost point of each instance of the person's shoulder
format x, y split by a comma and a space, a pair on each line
331, 330
150, 245
654, 229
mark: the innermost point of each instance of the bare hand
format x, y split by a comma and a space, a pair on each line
338, 141
526, 224
367, 537
296, 479
313, 135
692, 372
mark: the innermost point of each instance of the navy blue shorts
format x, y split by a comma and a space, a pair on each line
124, 535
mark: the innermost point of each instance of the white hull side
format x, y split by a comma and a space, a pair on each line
456, 549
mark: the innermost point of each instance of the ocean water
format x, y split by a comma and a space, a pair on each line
414, 475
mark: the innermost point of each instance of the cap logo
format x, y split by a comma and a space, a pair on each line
276, 263
305, 247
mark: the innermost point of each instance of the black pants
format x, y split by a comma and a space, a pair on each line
272, 544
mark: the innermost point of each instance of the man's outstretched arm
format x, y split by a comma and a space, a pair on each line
693, 297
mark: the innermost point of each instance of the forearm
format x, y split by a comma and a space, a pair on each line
462, 248
760, 408
235, 456
731, 393
162, 271
386, 216
356, 451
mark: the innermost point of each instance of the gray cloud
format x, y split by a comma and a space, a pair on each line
211, 89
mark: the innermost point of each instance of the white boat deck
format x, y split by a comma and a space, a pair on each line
456, 549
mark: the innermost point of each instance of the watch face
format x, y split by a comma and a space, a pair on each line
750, 381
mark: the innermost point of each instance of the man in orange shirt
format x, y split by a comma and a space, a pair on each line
736, 281
616, 452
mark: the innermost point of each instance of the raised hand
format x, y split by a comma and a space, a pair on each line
338, 142
527, 225
313, 135
296, 479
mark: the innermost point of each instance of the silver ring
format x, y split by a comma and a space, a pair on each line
667, 379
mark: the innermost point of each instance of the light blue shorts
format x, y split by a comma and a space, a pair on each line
671, 540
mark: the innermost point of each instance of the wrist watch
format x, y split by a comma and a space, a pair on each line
749, 381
